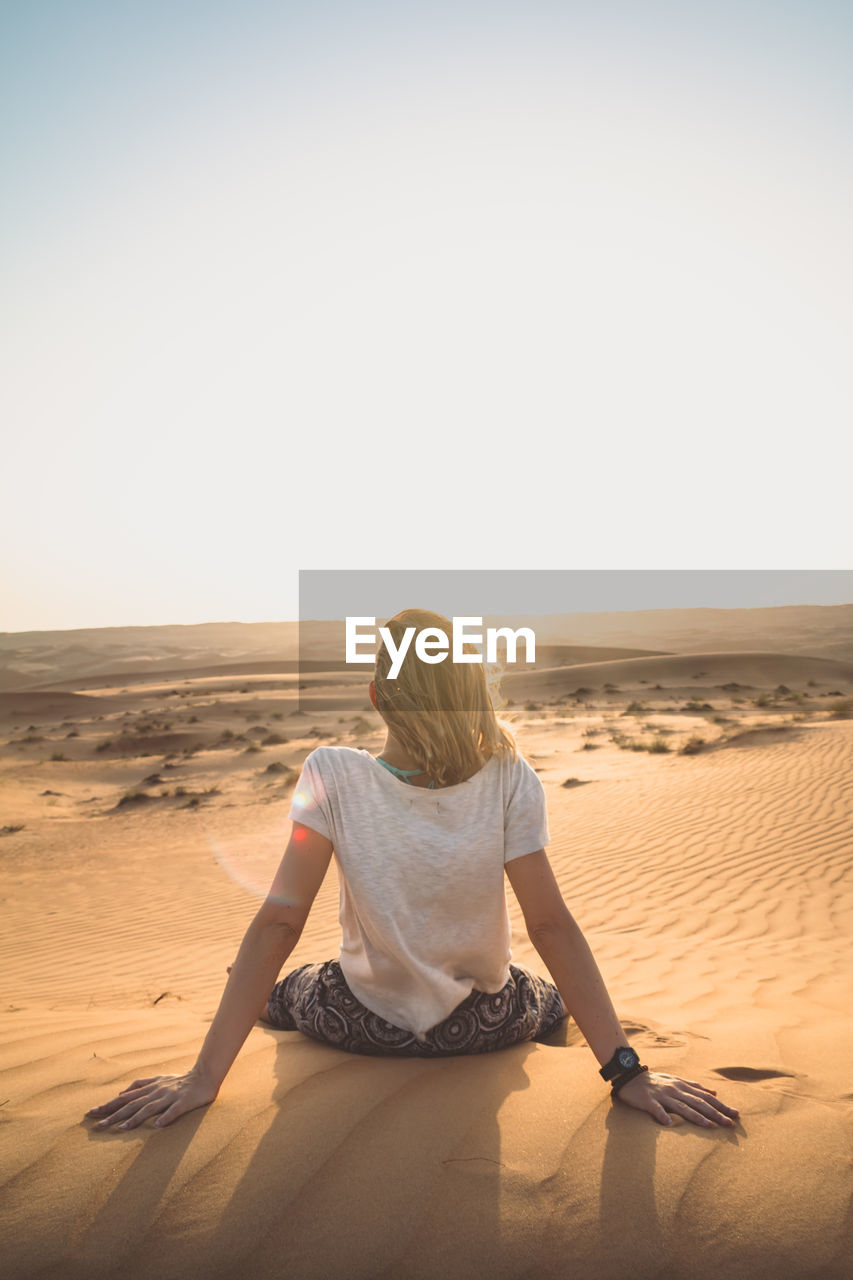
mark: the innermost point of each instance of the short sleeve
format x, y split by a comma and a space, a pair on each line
526, 813
310, 803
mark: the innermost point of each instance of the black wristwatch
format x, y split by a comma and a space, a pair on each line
623, 1060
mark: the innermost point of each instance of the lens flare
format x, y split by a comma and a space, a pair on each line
250, 858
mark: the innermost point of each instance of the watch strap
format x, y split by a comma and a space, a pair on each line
623, 1079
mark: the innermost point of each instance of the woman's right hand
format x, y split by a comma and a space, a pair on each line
165, 1096
661, 1094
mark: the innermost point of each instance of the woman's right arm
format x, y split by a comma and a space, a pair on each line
566, 952
268, 942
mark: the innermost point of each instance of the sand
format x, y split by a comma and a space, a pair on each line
714, 888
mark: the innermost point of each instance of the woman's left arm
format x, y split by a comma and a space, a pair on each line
268, 942
561, 944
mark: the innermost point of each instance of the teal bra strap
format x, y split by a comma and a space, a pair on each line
405, 774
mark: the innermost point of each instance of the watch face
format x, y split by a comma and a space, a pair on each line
627, 1058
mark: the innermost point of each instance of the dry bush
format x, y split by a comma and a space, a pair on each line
134, 797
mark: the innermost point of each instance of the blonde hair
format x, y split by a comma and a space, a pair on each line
440, 712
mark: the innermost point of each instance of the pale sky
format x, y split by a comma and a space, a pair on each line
404, 286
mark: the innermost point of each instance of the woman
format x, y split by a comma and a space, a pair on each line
423, 835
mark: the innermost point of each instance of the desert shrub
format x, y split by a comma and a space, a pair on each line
532, 706
105, 745
611, 688
590, 746
273, 740
134, 797
841, 710
252, 747
11, 828
277, 715
656, 746
73, 734
276, 766
57, 755
636, 709
693, 746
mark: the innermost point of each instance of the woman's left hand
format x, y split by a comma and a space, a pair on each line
661, 1094
166, 1096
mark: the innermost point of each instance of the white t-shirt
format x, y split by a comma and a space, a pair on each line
423, 904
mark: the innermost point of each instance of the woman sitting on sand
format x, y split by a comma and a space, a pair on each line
423, 834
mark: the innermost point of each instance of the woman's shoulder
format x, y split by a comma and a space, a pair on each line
337, 759
518, 772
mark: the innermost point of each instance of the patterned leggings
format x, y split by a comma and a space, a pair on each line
316, 1000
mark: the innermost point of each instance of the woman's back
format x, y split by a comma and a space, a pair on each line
423, 905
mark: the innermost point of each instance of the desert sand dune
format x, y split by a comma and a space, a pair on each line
714, 888
684, 670
36, 703
30, 658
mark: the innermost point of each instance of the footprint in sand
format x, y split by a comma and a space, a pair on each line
750, 1074
652, 1039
